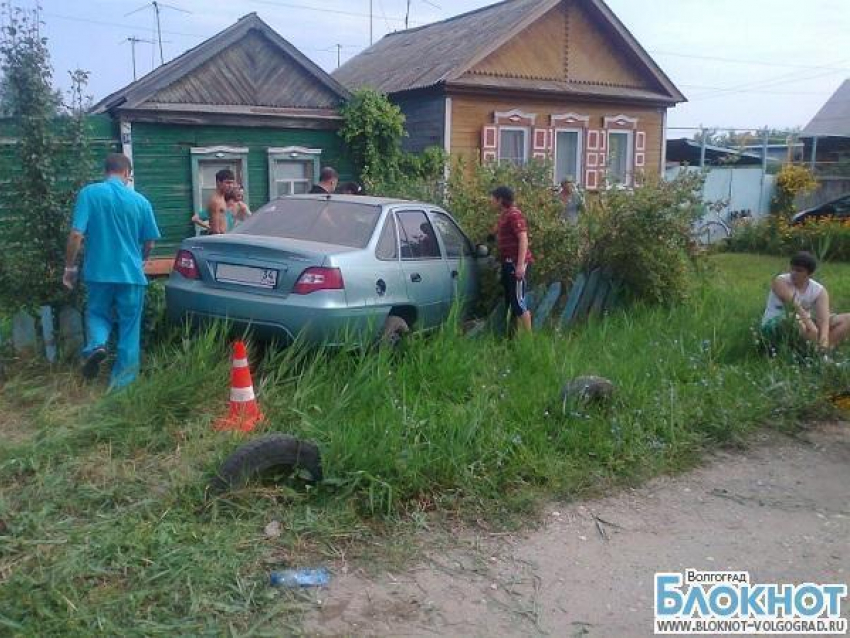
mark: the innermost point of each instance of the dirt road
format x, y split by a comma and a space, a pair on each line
781, 510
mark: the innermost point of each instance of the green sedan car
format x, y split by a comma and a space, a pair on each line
328, 269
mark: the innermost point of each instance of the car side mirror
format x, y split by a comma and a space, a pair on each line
481, 251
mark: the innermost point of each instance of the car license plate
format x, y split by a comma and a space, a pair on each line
246, 275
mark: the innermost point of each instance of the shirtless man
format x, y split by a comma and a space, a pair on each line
809, 301
216, 208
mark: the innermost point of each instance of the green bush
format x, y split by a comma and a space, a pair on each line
826, 239
372, 129
643, 236
420, 177
791, 182
466, 194
156, 329
553, 239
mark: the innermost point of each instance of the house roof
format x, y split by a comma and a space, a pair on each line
440, 53
833, 119
246, 83
686, 150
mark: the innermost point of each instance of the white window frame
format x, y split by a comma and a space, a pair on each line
526, 150
236, 154
630, 156
292, 154
579, 153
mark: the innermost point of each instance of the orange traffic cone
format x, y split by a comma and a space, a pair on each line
244, 413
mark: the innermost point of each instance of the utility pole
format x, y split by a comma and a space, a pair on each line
157, 8
371, 15
765, 142
338, 52
814, 153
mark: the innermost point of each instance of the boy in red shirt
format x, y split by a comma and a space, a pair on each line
512, 240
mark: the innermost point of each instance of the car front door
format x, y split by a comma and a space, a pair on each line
460, 260
423, 267
842, 208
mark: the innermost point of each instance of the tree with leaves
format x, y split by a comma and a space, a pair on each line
373, 128
36, 204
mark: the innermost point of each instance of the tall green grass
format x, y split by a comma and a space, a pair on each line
110, 530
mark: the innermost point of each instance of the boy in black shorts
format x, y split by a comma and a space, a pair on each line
514, 253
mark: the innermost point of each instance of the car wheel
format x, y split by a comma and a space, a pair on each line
395, 328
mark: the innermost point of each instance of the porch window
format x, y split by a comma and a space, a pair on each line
513, 145
568, 155
620, 156
207, 161
292, 170
292, 177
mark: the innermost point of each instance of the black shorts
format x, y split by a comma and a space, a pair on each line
515, 289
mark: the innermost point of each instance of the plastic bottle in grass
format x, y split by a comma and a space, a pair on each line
295, 578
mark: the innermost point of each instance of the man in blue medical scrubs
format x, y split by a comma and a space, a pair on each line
119, 229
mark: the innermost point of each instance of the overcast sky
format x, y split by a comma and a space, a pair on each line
741, 63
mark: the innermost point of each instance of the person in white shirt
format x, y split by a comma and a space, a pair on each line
808, 300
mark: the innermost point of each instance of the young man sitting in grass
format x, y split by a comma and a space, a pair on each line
797, 291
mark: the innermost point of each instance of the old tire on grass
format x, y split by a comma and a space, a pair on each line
587, 390
267, 454
395, 329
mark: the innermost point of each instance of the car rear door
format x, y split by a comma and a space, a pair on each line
460, 259
423, 267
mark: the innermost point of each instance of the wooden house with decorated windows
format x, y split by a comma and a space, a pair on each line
562, 80
245, 99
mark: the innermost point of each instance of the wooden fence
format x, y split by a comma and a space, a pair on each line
592, 294
45, 335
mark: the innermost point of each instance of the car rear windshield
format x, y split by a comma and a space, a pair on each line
324, 221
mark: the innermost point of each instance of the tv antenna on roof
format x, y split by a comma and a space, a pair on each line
157, 8
407, 13
133, 40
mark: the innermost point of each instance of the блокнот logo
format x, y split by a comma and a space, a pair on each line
716, 603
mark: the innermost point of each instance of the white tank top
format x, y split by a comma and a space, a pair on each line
807, 298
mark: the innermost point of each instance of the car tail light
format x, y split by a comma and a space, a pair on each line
185, 264
314, 279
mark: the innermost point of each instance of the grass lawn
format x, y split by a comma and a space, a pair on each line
107, 529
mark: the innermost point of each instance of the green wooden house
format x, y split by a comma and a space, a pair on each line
245, 99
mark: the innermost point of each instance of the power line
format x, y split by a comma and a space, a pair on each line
738, 90
716, 91
400, 19
785, 78
720, 88
106, 23
754, 130
742, 61
384, 14
305, 7
274, 3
